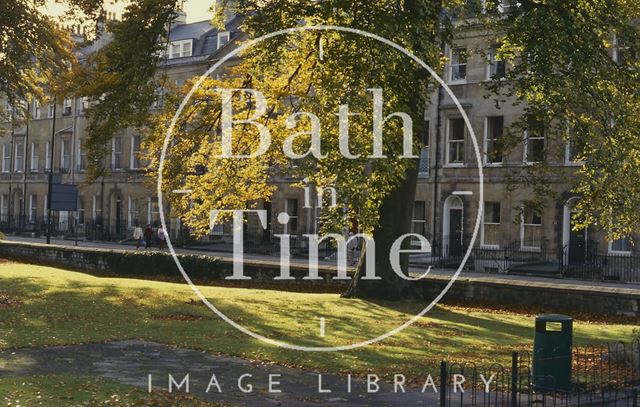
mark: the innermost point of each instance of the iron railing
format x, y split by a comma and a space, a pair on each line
604, 375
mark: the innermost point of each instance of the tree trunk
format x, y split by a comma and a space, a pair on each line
395, 220
396, 211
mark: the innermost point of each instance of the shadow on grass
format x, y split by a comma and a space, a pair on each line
75, 311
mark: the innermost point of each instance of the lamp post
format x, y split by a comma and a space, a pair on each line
50, 192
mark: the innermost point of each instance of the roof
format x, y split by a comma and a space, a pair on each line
190, 31
203, 34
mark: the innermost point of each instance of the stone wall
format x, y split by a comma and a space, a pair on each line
548, 295
156, 265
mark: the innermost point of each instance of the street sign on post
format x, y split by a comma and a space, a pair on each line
64, 197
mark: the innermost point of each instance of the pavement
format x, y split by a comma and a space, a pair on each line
136, 363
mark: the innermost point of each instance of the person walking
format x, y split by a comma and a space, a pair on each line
148, 234
162, 238
137, 236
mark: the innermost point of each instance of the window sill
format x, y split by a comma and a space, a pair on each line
457, 82
530, 249
454, 165
490, 246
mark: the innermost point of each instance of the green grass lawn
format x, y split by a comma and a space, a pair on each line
53, 391
49, 306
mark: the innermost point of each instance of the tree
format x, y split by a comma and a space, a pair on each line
574, 67
121, 77
296, 77
561, 71
34, 50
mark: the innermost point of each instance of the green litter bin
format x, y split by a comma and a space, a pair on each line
552, 346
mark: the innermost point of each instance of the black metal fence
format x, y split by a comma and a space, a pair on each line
620, 267
614, 267
607, 375
69, 228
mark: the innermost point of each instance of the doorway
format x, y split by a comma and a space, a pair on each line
118, 216
453, 227
574, 241
577, 243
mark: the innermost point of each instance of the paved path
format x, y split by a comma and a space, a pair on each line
131, 362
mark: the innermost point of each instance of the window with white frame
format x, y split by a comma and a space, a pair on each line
506, 6
223, 38
81, 210
419, 221
534, 142
33, 208
132, 213
83, 104
135, 152
530, 228
574, 148
423, 167
96, 208
116, 153
47, 156
66, 106
455, 141
621, 52
158, 98
65, 154
496, 68
19, 155
34, 159
82, 156
620, 246
50, 109
494, 129
8, 109
4, 208
291, 209
491, 224
180, 49
6, 157
153, 211
458, 64
36, 109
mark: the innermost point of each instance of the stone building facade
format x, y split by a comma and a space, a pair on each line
446, 205
111, 206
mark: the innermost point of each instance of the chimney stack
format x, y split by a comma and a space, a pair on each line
181, 17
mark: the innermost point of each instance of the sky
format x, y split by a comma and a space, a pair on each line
197, 10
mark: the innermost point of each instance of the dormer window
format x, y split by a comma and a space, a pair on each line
223, 38
180, 49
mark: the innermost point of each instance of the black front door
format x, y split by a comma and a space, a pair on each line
455, 243
577, 245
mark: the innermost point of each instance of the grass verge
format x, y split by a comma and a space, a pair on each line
49, 306
64, 390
